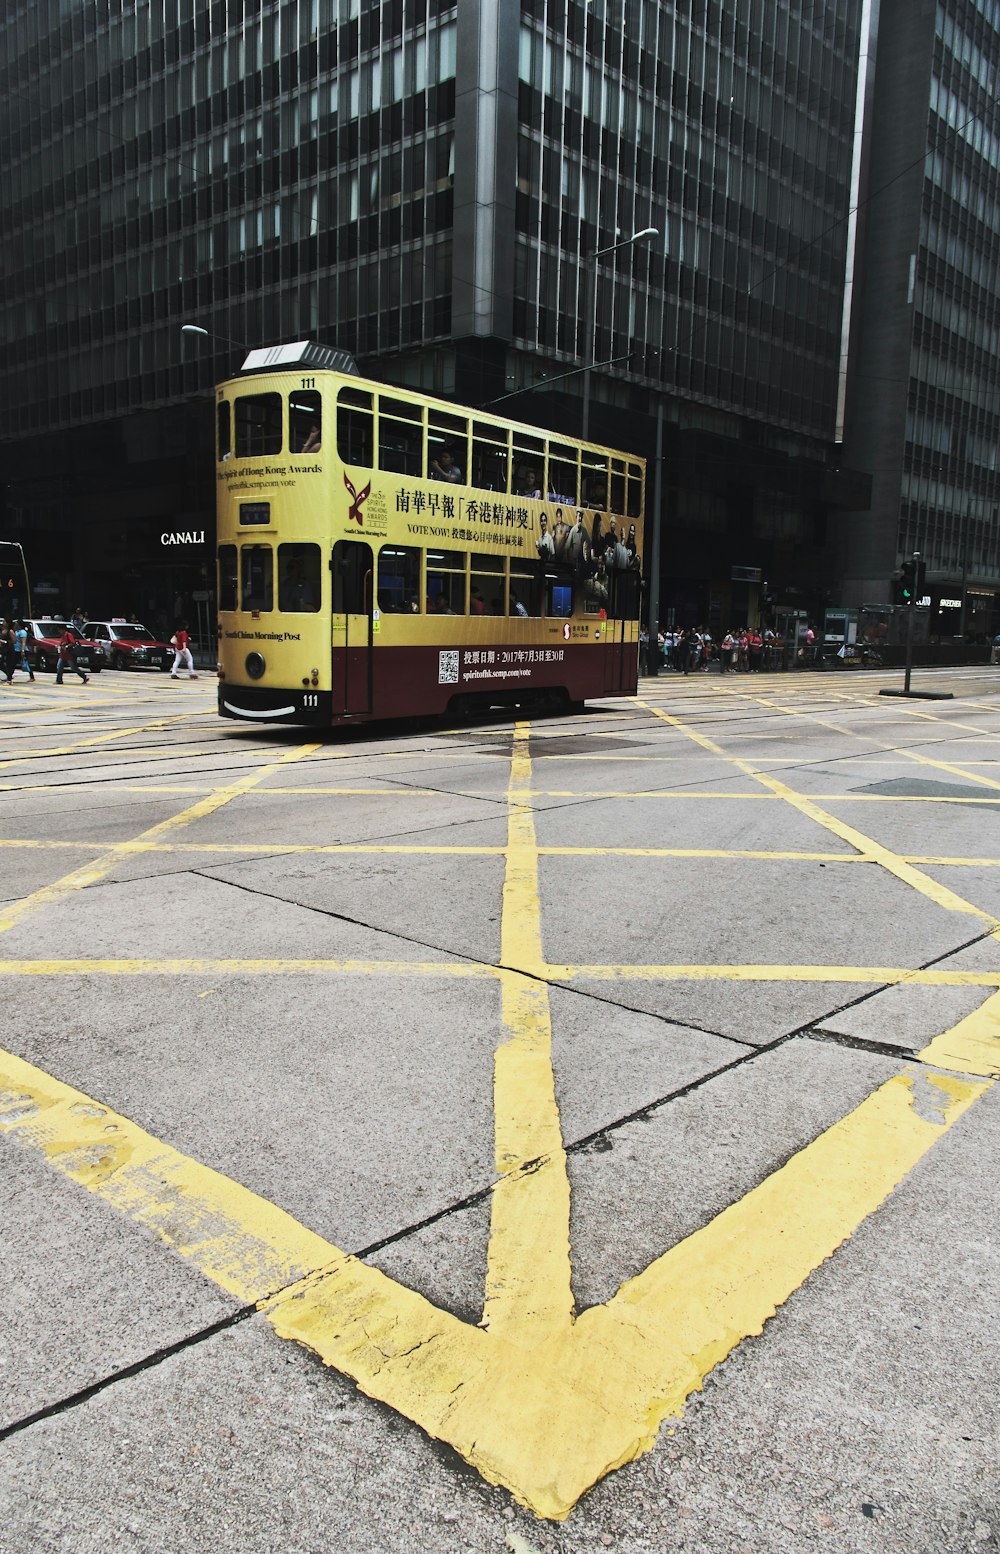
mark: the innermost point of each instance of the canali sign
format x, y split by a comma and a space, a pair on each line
184, 537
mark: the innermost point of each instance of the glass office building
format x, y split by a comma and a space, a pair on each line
923, 405
448, 191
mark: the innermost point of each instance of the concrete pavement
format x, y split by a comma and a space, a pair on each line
532, 1137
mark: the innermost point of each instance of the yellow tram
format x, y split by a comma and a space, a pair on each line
385, 554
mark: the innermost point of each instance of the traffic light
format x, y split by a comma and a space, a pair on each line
912, 580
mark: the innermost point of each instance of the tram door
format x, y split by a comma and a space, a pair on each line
352, 627
623, 606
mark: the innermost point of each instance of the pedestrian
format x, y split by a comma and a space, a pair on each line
7, 649
182, 653
726, 652
19, 658
67, 656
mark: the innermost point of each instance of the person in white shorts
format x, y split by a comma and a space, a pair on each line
182, 653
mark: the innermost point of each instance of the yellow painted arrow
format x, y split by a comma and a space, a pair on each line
537, 1399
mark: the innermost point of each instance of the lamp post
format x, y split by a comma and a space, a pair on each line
592, 259
210, 334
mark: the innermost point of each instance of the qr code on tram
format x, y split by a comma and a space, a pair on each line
447, 669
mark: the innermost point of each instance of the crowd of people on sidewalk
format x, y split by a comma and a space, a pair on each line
748, 650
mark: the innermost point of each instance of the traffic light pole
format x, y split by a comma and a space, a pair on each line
909, 626
913, 581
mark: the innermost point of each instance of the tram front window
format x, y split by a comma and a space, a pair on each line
257, 590
298, 578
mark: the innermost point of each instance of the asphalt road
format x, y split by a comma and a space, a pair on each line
508, 1137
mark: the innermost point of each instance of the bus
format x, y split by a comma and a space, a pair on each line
15, 593
385, 554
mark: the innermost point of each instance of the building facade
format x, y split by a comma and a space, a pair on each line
923, 400
449, 192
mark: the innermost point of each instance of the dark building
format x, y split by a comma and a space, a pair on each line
451, 193
923, 403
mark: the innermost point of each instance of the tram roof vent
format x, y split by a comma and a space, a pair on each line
301, 353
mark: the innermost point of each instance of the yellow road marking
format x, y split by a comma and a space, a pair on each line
433, 850
15, 912
539, 1402
546, 1418
87, 744
867, 847
932, 976
973, 1045
528, 1293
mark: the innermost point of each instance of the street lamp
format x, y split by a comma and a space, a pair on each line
210, 334
592, 259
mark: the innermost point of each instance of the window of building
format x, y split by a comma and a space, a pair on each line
399, 579
400, 436
224, 446
257, 577
488, 585
227, 577
299, 578
305, 421
258, 425
445, 582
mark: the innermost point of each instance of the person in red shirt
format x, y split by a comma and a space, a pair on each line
182, 653
67, 656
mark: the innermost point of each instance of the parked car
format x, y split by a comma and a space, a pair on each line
127, 645
42, 646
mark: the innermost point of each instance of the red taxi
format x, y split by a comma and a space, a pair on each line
127, 645
42, 646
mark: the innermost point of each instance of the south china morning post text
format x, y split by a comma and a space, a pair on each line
263, 636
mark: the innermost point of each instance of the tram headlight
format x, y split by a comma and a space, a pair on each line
255, 665
315, 677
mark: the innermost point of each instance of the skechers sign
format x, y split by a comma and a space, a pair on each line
184, 537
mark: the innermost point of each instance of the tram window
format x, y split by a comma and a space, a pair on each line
450, 431
528, 462
445, 582
616, 493
298, 578
594, 481
525, 589
355, 427
489, 457
227, 577
625, 591
257, 578
305, 421
561, 479
488, 586
634, 494
258, 425
558, 596
400, 437
224, 443
399, 579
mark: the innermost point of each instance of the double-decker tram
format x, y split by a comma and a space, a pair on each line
383, 554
